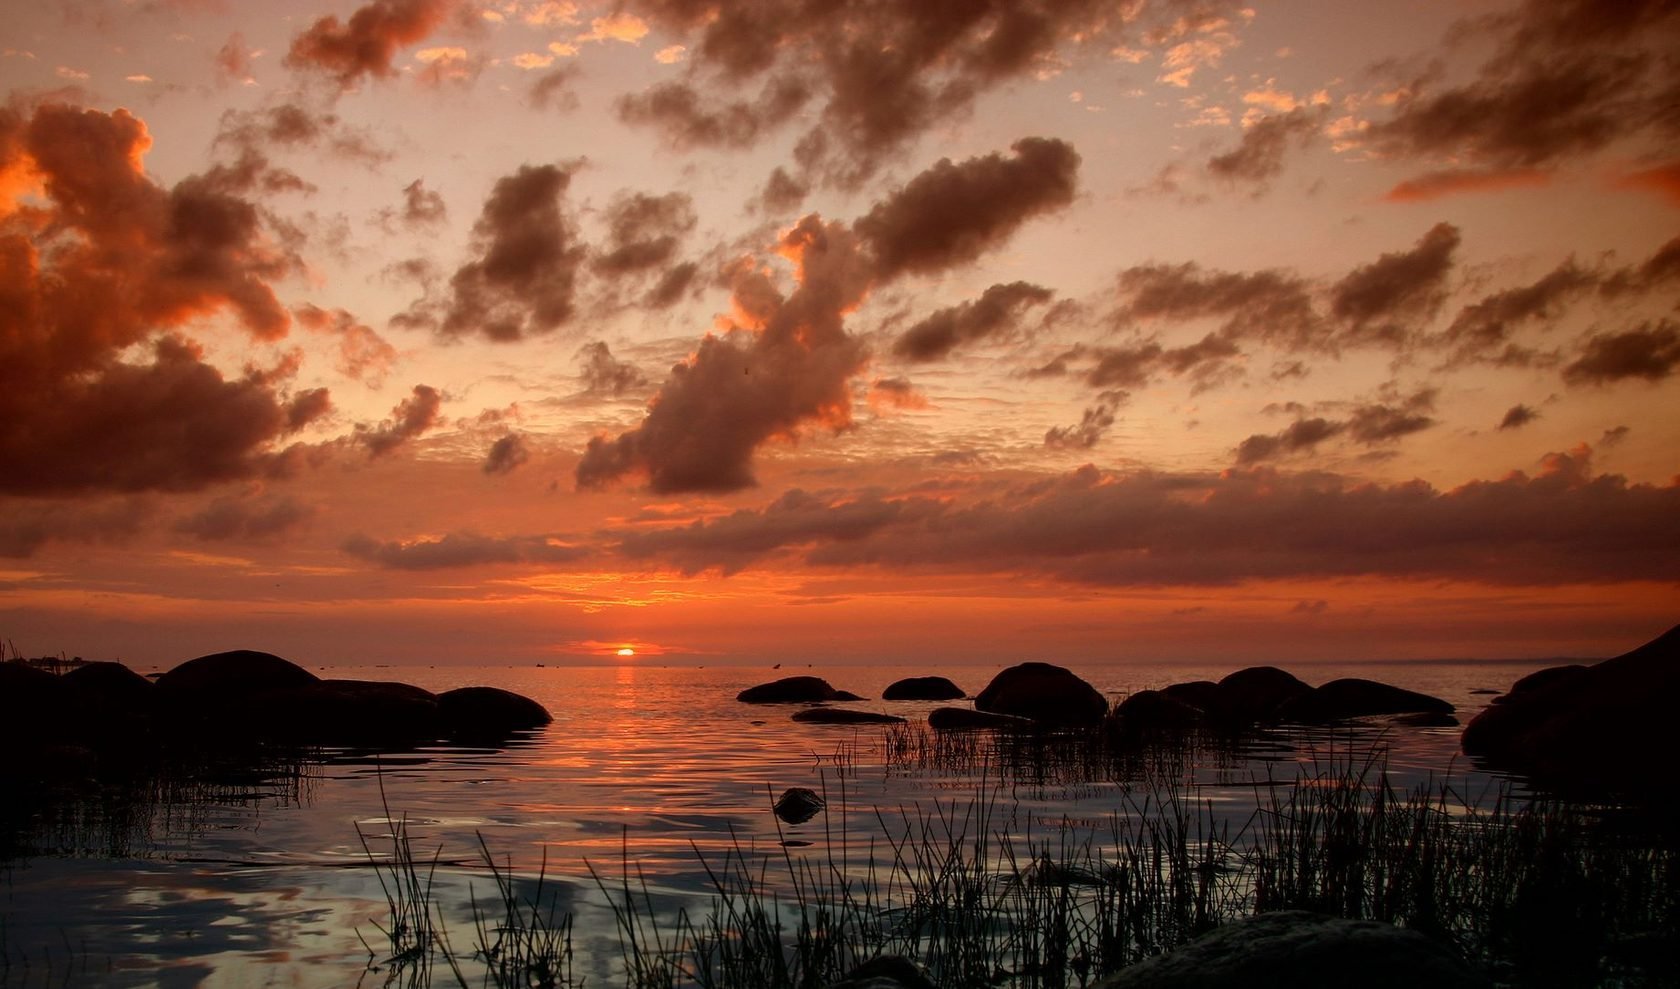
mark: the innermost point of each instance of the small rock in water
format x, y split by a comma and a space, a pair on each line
798, 804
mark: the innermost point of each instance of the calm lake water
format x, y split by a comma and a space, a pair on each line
265, 882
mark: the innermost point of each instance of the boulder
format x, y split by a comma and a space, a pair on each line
1258, 692
1045, 693
1293, 948
962, 718
489, 713
242, 671
922, 689
1151, 714
112, 702
794, 690
885, 972
1203, 695
358, 712
842, 716
798, 804
1353, 697
1608, 726
34, 704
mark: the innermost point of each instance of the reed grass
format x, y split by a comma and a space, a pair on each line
1535, 892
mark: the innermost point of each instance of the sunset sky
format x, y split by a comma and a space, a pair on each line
430, 331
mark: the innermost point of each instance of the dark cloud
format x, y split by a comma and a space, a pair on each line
366, 44
233, 59
1562, 525
796, 519
1371, 424
422, 207
952, 213
1651, 352
1301, 436
252, 134
553, 89
1093, 423
1136, 366
897, 393
998, 310
605, 374
766, 380
461, 549
1570, 77
671, 286
686, 121
1383, 423
788, 362
246, 519
97, 392
1271, 306
644, 232
1484, 329
1385, 299
1258, 157
506, 455
1518, 416
523, 278
870, 100
412, 417
27, 524
782, 192
363, 354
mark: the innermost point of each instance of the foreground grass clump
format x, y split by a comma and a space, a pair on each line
1536, 893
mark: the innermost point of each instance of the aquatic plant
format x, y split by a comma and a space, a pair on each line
1535, 891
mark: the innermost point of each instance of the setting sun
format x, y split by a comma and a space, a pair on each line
627, 651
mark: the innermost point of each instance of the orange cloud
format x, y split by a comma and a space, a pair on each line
1455, 181
1662, 181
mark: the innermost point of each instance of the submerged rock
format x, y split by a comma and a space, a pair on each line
1258, 693
1292, 948
489, 713
1045, 693
1352, 697
962, 718
1588, 728
922, 689
842, 716
1150, 714
242, 671
794, 690
798, 804
885, 972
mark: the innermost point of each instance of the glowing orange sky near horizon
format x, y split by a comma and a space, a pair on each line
537, 331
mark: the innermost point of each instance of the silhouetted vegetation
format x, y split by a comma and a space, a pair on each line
1534, 892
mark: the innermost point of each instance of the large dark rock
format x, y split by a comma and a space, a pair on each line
842, 716
34, 704
1154, 714
489, 713
1352, 697
966, 719
1203, 695
922, 689
357, 712
885, 972
242, 671
1045, 693
794, 690
1606, 726
112, 682
1292, 949
798, 804
1257, 693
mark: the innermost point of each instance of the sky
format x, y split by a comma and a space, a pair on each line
441, 331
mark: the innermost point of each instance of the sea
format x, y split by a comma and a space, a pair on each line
649, 777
